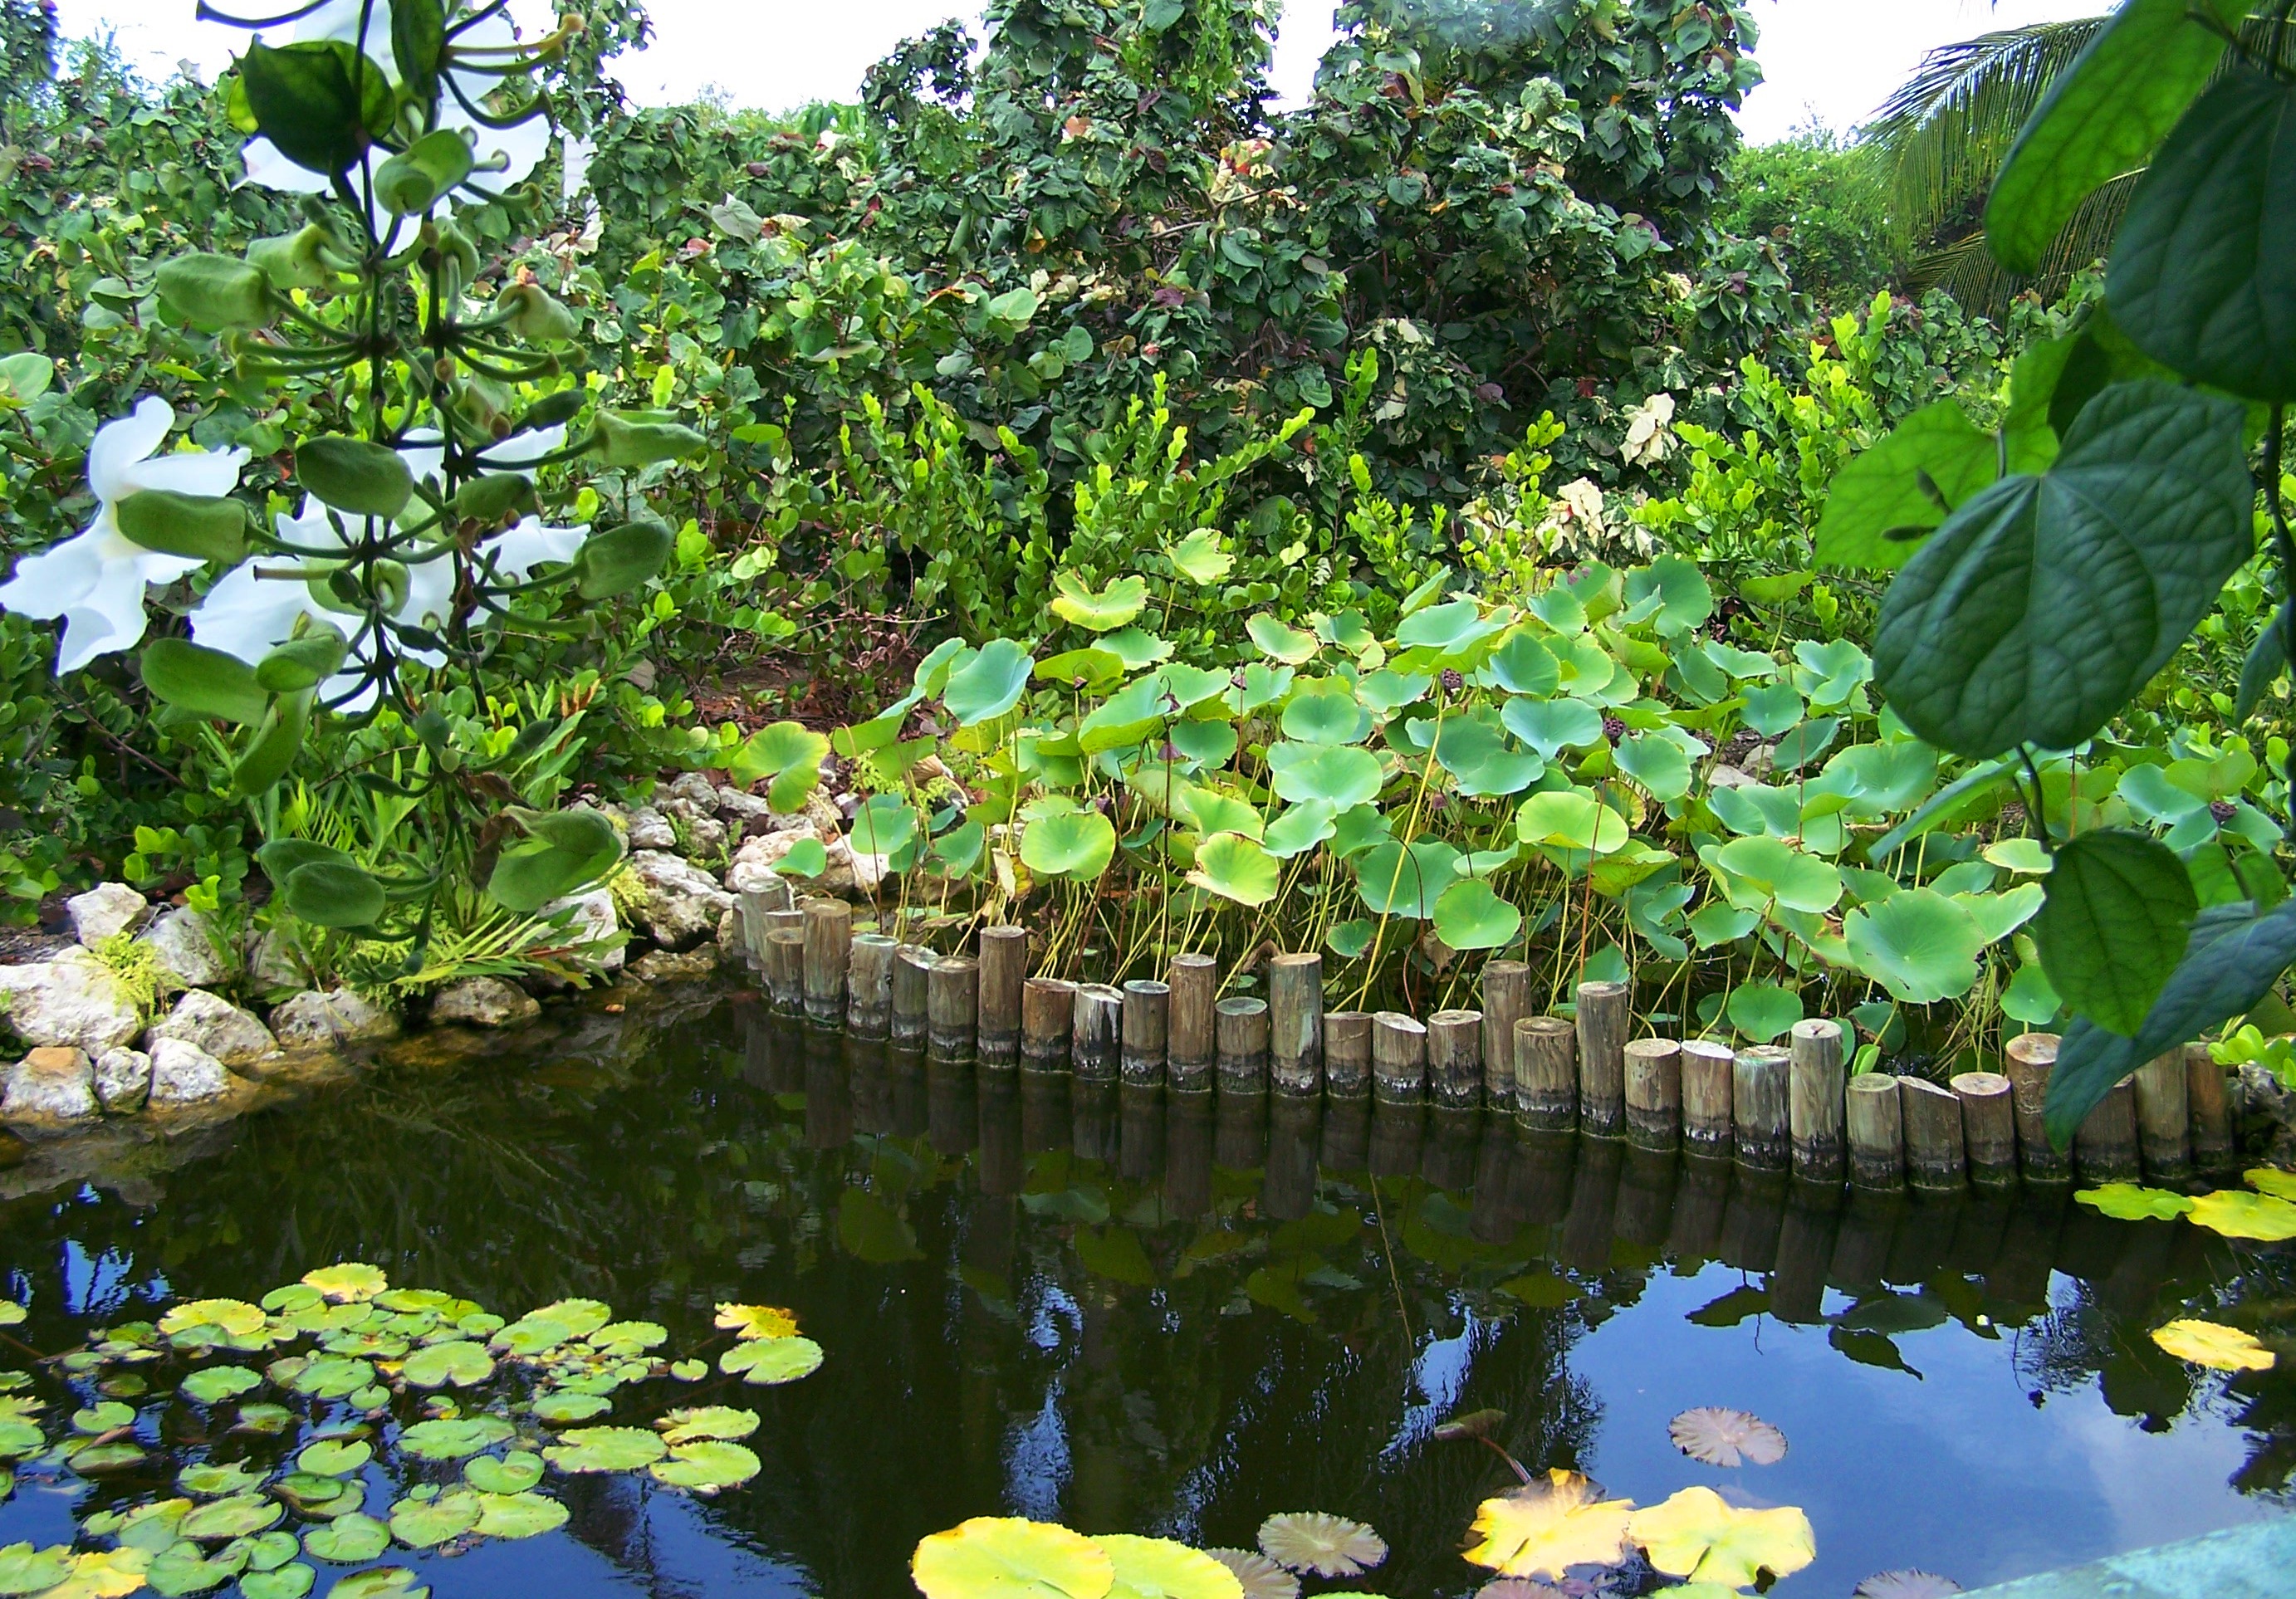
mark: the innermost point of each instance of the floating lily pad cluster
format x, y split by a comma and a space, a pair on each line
340, 1418
1003, 1557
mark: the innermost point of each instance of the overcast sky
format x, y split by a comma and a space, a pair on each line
1833, 61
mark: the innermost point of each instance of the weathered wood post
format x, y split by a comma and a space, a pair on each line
2164, 1117
1192, 1050
1398, 1057
869, 988
1147, 1018
1605, 1018
1098, 1025
1820, 1078
1004, 972
913, 965
1930, 1117
2029, 1058
1295, 1023
1346, 1054
1454, 1063
1506, 1000
1709, 1071
1654, 1093
1988, 1126
1761, 1117
1047, 1018
1876, 1126
1546, 1073
952, 1007
828, 948
1241, 1045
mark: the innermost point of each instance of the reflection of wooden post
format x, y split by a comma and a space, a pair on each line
1876, 1126
1044, 1112
1047, 1017
1193, 1049
1240, 1043
1395, 1130
1001, 1171
1004, 970
1605, 1018
1546, 1073
2029, 1058
2211, 1109
1699, 1200
1753, 1219
1931, 1118
2104, 1149
1506, 1000
828, 947
1240, 1131
1654, 1093
1646, 1189
1347, 1127
1139, 1134
1288, 1191
913, 965
1347, 1054
1544, 1163
1587, 1230
1707, 1071
1188, 1155
785, 968
1447, 1159
1093, 1117
1454, 1063
1805, 1249
1398, 1057
1760, 1116
1820, 1153
1091, 1040
1861, 1250
2164, 1118
1988, 1126
951, 1006
1147, 1016
869, 993
1295, 1023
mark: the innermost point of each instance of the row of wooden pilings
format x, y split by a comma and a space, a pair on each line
1766, 1107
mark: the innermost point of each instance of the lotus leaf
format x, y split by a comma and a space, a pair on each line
332, 1377
1918, 944
453, 1438
19, 1438
1726, 1438
2218, 1347
519, 1515
1551, 726
1111, 607
349, 1540
283, 1582
106, 1417
774, 1360
1762, 1012
1447, 627
1006, 1557
1546, 1526
1325, 711
1571, 820
608, 1448
1234, 867
215, 1480
238, 1516
1696, 1534
186, 1569
1209, 811
1398, 880
707, 1466
216, 1383
1775, 872
1521, 665
1300, 828
1279, 642
1325, 1545
235, 1318
1341, 775
1906, 1584
689, 1371
1384, 692
2126, 1202
2238, 1215
334, 1457
1349, 939
807, 858
630, 1336
458, 1362
1658, 763
351, 1283
1156, 1567
425, 1524
383, 1582
24, 1570
1078, 845
1468, 915
559, 1409
1259, 1576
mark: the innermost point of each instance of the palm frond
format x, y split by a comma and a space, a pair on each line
1967, 270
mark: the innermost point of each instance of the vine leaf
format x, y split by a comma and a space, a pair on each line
2119, 908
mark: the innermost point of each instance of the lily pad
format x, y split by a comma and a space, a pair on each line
238, 1516
519, 1515
457, 1362
1918, 944
1077, 845
317, 1496
708, 1421
216, 1383
608, 1448
451, 1439
1325, 1545
215, 1481
1468, 915
2126, 1201
186, 1569
773, 1360
1156, 1568
1234, 867
284, 1582
354, 1282
1762, 1012
234, 1318
561, 1408
1726, 1438
2280, 1184
383, 1582
1341, 775
425, 1524
349, 1540
118, 1456
1401, 880
334, 1457
512, 1473
1278, 641
1908, 1584
1259, 1576
2217, 1346
24, 1570
268, 1551
1006, 1557
1544, 1527
707, 1466
2238, 1215
1698, 1535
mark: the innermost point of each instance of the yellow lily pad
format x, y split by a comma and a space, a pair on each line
2267, 1179
1544, 1528
2239, 1215
352, 1282
1007, 1557
2218, 1347
1156, 1568
1698, 1535
756, 1321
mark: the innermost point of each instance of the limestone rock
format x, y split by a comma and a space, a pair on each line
483, 1001
50, 1087
743, 808
732, 949
594, 922
683, 904
186, 944
315, 1021
106, 911
123, 1079
74, 1000
217, 1026
358, 1022
275, 965
185, 1074
695, 790
649, 829
662, 967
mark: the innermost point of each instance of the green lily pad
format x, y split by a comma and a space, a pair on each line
24, 1570
706, 1422
1231, 866
351, 1540
422, 1524
332, 1377
185, 1569
317, 1496
1279, 641
519, 1515
285, 1582
1341, 775
512, 1473
334, 1457
1551, 726
1078, 845
453, 1439
354, 1282
558, 1409
383, 1582
458, 1362
689, 1371
117, 1457
1762, 1012
107, 1417
265, 1417
773, 1360
1111, 607
1918, 944
1468, 915
240, 1516
2236, 1214
1325, 711
19, 1438
1769, 871
213, 1482
1401, 880
990, 684
2126, 1201
707, 1466
608, 1448
268, 1551
216, 1383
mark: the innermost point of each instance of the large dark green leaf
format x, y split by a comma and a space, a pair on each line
334, 894
2120, 905
321, 102
418, 38
1887, 500
562, 851
2267, 658
2044, 603
2203, 274
2233, 960
2100, 118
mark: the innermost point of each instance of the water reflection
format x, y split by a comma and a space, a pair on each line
1179, 1313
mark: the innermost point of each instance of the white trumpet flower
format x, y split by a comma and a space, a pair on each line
96, 580
425, 455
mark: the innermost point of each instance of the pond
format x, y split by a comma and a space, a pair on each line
1126, 1313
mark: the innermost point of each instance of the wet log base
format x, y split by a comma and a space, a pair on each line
1295, 1023
1147, 1023
1654, 1093
1346, 1054
869, 985
1004, 972
828, 949
1455, 1059
1760, 1117
951, 1007
913, 965
1241, 1035
1191, 1047
1093, 1032
1398, 1057
1546, 1074
1988, 1126
1047, 1018
1708, 1072
1931, 1118
786, 970
1605, 1018
1821, 1152
1876, 1130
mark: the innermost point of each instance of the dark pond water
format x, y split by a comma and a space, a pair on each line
1130, 1313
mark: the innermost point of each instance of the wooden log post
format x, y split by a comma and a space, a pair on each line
1605, 1017
786, 970
1708, 1074
1003, 973
1295, 1023
1821, 1152
1875, 1123
1147, 1022
1760, 1117
869, 985
952, 1007
1506, 1000
828, 950
913, 965
2209, 1104
2164, 1118
1455, 1059
2028, 1059
1988, 1126
2106, 1148
1398, 1057
1048, 1016
1346, 1054
1240, 1045
1191, 1049
1093, 1032
1654, 1093
1930, 1119
762, 893
1546, 1074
